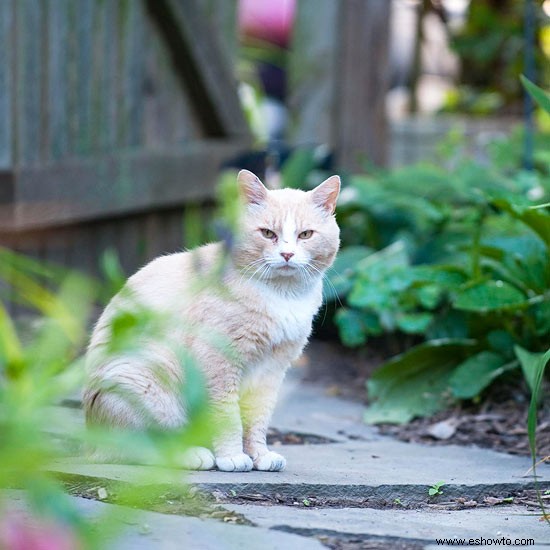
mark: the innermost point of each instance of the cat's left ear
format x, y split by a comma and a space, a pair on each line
252, 189
325, 195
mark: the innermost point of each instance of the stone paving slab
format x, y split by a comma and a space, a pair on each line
306, 408
383, 469
427, 525
360, 465
153, 531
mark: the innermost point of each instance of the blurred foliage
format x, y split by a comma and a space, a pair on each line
40, 367
458, 256
490, 47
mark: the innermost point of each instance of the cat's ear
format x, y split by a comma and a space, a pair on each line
252, 189
325, 195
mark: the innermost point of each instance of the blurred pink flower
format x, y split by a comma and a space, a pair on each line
22, 532
267, 20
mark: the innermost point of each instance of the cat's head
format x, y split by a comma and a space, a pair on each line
287, 233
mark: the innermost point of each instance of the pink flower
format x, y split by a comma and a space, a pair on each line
24, 532
267, 20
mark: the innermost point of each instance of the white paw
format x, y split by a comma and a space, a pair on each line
235, 463
198, 458
270, 462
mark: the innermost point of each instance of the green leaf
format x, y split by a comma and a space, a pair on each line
502, 342
489, 296
415, 383
529, 364
446, 276
535, 365
414, 323
430, 296
535, 218
354, 326
340, 275
472, 376
449, 324
365, 295
538, 94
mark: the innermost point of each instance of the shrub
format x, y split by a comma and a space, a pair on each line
459, 257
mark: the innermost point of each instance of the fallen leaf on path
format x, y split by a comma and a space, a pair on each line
444, 429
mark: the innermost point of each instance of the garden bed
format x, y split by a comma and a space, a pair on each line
497, 421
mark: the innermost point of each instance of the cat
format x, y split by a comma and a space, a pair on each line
270, 290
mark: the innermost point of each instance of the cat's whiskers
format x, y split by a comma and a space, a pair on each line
311, 271
327, 279
250, 266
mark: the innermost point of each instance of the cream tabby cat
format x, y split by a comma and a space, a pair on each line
271, 290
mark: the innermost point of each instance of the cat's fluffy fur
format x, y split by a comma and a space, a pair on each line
269, 292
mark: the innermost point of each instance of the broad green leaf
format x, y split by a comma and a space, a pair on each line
535, 218
367, 295
489, 296
452, 324
380, 263
538, 94
354, 326
350, 327
472, 376
343, 269
414, 323
502, 342
446, 276
415, 383
429, 296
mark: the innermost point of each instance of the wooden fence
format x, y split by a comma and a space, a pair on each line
113, 115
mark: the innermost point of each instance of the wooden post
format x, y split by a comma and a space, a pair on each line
362, 82
339, 78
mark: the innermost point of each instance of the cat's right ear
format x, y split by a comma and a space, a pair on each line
252, 189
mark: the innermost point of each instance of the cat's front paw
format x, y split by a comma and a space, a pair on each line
270, 462
198, 458
235, 463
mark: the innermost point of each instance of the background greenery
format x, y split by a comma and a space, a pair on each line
455, 254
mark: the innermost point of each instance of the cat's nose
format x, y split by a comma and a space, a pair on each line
287, 255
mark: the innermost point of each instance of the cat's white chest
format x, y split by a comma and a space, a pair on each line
291, 316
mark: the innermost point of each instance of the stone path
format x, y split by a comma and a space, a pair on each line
360, 491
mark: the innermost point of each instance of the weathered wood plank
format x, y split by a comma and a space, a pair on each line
109, 59
154, 235
56, 246
312, 71
362, 82
222, 16
84, 25
133, 73
57, 78
173, 231
29, 15
86, 189
129, 243
201, 64
161, 121
6, 85
82, 249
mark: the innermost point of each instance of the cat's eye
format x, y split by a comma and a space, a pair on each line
267, 233
305, 234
